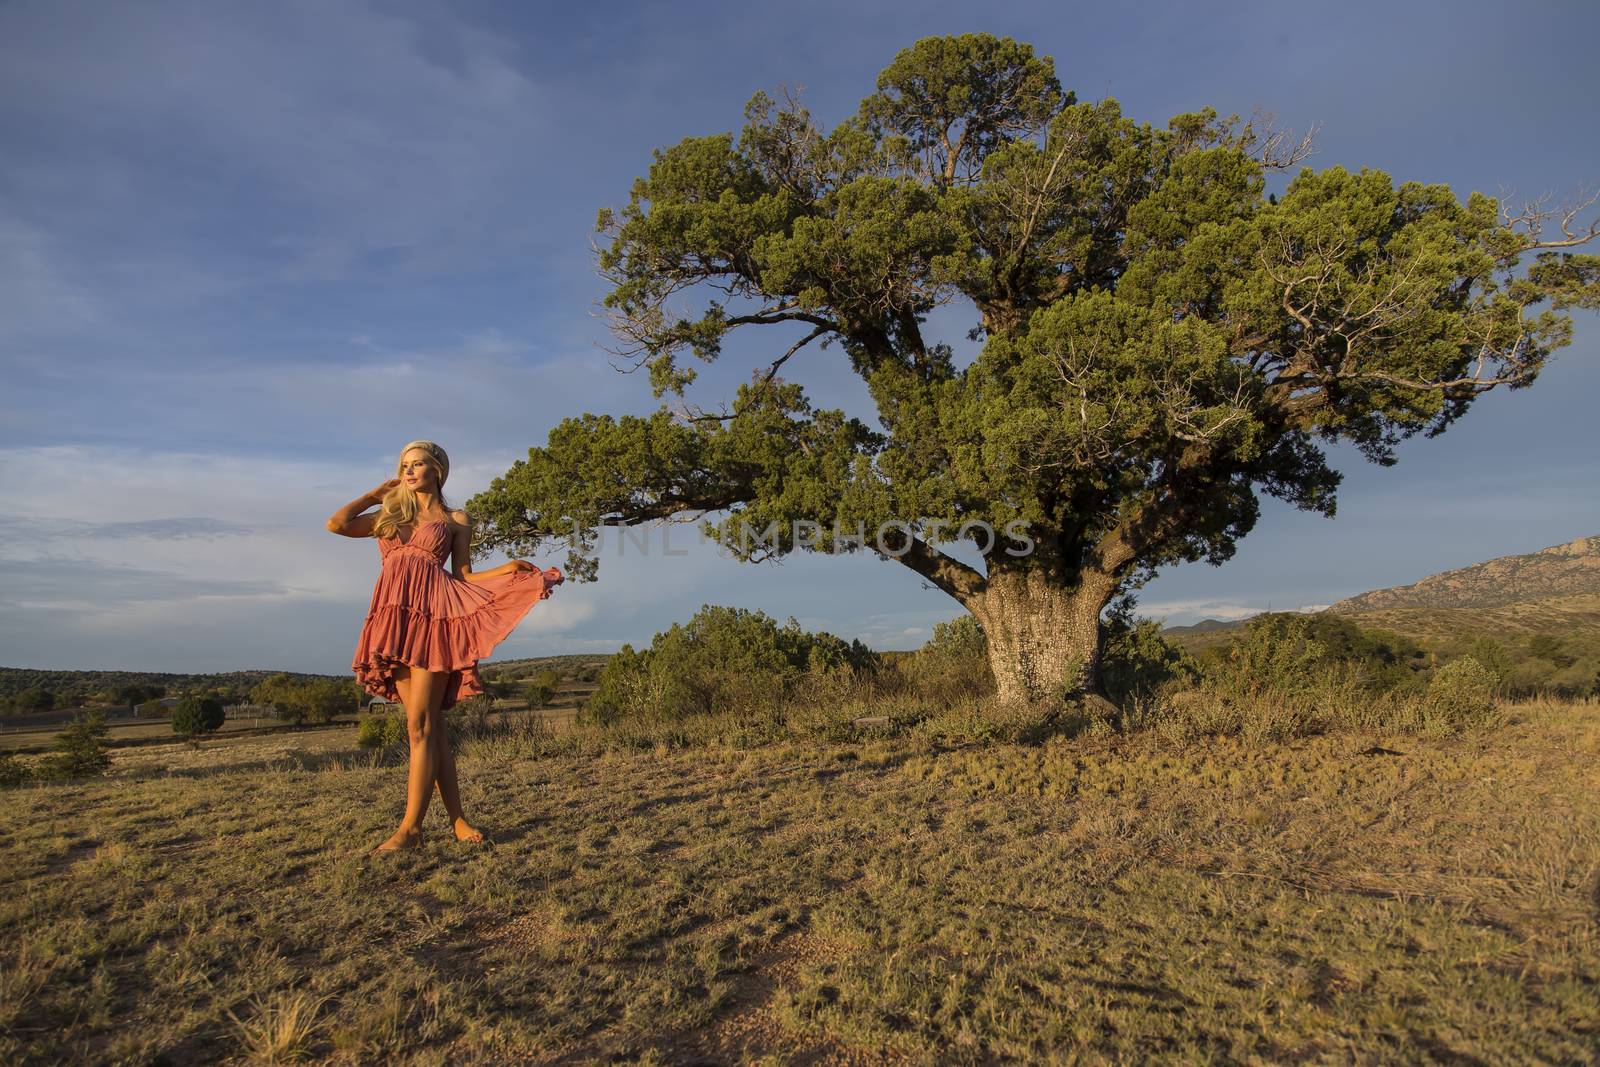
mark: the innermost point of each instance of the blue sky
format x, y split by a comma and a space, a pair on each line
249, 250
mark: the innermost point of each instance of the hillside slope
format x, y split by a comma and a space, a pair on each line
1564, 571
1577, 617
1550, 596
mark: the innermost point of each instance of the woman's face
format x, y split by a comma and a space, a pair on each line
417, 471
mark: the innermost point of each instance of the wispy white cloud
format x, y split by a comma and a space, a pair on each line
174, 169
487, 395
182, 527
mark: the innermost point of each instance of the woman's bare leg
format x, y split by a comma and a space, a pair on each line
445, 772
421, 692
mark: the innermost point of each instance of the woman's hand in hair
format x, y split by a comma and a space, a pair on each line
383, 490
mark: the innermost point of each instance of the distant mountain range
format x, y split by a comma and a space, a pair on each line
1554, 590
1204, 626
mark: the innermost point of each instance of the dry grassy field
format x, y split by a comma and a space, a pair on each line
891, 899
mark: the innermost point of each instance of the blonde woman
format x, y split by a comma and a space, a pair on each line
427, 627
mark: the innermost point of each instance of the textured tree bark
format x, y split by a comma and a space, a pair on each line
1044, 639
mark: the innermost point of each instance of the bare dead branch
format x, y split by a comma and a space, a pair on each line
1275, 147
1533, 217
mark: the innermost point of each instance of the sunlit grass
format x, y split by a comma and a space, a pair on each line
909, 894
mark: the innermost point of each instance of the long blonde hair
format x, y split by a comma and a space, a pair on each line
400, 506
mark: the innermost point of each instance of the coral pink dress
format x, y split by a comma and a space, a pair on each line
423, 615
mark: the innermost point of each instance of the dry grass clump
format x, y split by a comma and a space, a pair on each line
279, 1028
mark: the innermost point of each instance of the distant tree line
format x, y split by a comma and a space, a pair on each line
37, 698
301, 700
24, 691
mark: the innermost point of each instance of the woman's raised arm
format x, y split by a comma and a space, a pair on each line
349, 521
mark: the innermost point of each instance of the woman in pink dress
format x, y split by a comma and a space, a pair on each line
427, 627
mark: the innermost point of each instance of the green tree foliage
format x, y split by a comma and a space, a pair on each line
1291, 652
1138, 661
327, 698
1157, 341
133, 695
542, 688
961, 636
1388, 660
151, 709
299, 700
281, 693
1461, 696
34, 699
381, 731
723, 660
1276, 654
79, 750
196, 716
953, 664
1549, 647
13, 772
1492, 656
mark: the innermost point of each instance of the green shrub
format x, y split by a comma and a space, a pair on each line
1461, 696
953, 666
381, 731
542, 689
151, 709
960, 636
622, 686
195, 716
469, 718
722, 661
1492, 655
79, 749
1549, 647
13, 772
1275, 654
1137, 662
1288, 652
1579, 680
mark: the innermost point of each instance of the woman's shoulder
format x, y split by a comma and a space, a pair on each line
460, 519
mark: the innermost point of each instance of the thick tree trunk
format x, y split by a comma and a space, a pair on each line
1044, 639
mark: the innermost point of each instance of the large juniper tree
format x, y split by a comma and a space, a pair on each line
1161, 341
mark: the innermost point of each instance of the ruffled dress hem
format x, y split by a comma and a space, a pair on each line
464, 624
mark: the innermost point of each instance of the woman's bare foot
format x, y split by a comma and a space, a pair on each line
465, 831
401, 839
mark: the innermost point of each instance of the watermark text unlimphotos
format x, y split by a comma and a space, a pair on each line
893, 538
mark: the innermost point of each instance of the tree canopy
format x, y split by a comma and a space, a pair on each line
1156, 339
